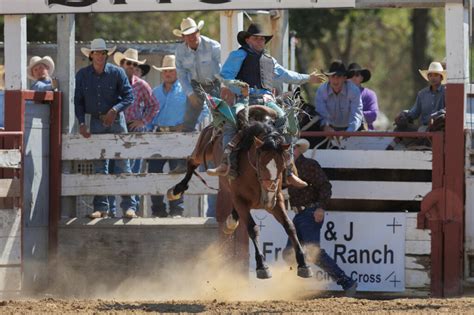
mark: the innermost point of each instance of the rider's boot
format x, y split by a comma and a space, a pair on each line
229, 163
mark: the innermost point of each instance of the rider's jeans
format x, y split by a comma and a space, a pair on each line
101, 203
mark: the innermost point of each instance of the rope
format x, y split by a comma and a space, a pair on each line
204, 181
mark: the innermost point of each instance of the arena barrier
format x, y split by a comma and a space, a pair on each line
391, 181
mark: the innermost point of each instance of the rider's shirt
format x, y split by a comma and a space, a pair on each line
342, 110
200, 65
427, 102
236, 60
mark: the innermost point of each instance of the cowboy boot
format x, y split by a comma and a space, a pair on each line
229, 163
295, 181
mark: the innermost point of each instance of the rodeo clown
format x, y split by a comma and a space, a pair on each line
251, 64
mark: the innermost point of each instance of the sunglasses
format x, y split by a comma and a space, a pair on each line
131, 63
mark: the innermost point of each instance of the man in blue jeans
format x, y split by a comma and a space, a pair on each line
104, 92
309, 204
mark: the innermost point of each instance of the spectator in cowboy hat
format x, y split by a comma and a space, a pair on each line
170, 118
338, 101
428, 100
309, 203
198, 61
144, 107
103, 91
370, 107
40, 70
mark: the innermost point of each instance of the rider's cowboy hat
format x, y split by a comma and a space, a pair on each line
356, 68
169, 63
97, 44
36, 60
254, 29
129, 55
435, 67
302, 145
338, 68
188, 26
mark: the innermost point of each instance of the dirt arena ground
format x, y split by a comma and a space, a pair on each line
332, 305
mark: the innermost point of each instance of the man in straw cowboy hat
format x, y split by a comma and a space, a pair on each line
370, 107
309, 204
338, 101
252, 65
103, 91
430, 99
40, 70
170, 118
198, 61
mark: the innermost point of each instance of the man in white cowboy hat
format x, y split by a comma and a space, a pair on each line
103, 91
253, 65
40, 70
430, 99
144, 106
309, 204
170, 118
198, 61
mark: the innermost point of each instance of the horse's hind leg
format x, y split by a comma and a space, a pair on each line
263, 272
175, 192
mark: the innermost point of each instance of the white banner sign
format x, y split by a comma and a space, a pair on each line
369, 247
84, 6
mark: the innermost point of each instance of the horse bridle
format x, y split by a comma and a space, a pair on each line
274, 182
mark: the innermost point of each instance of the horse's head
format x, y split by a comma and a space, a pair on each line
267, 153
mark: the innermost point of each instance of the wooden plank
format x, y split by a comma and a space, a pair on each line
368, 159
399, 3
417, 278
379, 190
158, 184
141, 184
128, 146
419, 262
10, 250
10, 222
10, 158
9, 187
417, 247
10, 278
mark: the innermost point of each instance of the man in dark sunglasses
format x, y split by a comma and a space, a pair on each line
104, 92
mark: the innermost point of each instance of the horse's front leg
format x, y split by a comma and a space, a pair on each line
231, 223
252, 229
263, 272
175, 192
279, 213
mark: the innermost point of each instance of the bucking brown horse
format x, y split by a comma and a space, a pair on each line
262, 160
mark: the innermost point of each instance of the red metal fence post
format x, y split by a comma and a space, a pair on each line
55, 174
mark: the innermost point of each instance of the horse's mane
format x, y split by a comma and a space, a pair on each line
266, 132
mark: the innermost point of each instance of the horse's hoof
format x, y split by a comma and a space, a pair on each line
230, 225
264, 273
305, 272
171, 196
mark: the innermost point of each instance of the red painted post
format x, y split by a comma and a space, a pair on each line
55, 173
454, 150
